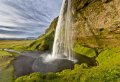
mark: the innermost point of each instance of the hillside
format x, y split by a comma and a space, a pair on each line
96, 44
45, 41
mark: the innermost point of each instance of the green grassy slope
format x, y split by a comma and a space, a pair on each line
18, 45
45, 41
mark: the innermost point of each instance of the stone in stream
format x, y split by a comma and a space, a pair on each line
55, 65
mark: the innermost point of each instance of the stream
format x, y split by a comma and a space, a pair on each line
33, 61
23, 63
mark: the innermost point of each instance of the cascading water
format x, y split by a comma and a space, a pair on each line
62, 55
64, 35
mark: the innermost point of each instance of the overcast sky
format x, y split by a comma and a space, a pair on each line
26, 18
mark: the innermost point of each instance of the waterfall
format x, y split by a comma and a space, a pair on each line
63, 42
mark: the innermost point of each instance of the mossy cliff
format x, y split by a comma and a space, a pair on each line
97, 23
96, 44
45, 41
96, 26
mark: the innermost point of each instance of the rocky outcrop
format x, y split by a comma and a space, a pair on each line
96, 27
97, 23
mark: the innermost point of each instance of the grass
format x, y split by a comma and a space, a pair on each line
6, 75
5, 59
14, 43
4, 53
6, 69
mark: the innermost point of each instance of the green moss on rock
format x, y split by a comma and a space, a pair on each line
89, 52
109, 56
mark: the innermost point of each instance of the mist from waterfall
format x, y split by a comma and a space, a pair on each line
63, 42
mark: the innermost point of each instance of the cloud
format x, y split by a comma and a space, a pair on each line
7, 36
28, 18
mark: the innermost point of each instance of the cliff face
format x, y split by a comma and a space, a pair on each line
96, 26
97, 22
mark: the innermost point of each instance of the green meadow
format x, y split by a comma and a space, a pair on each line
6, 58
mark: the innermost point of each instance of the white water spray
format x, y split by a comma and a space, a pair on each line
63, 42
